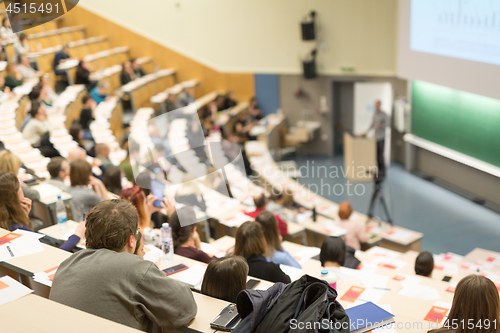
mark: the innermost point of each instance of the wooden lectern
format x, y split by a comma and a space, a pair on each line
360, 158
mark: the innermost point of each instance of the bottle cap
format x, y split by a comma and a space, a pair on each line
58, 197
165, 225
324, 272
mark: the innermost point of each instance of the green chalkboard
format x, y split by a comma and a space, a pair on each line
458, 120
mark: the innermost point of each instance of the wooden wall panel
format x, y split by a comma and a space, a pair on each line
140, 46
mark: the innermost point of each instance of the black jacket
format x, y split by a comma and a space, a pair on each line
263, 269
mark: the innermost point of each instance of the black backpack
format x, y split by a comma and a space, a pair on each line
306, 305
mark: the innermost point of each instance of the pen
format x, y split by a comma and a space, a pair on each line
10, 251
382, 288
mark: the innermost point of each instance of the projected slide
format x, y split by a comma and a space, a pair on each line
464, 29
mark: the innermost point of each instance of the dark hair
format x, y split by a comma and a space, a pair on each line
11, 210
250, 240
113, 180
22, 37
110, 224
270, 227
225, 278
34, 95
424, 264
260, 201
180, 233
35, 107
75, 130
138, 237
86, 98
334, 250
79, 173
55, 166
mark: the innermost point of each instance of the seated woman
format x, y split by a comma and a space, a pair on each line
113, 179
82, 76
424, 264
37, 126
251, 244
11, 163
15, 208
186, 239
475, 300
275, 252
84, 199
334, 255
225, 278
143, 204
127, 74
356, 234
14, 78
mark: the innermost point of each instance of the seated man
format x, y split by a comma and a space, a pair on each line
102, 153
58, 168
59, 58
100, 92
261, 201
25, 69
108, 280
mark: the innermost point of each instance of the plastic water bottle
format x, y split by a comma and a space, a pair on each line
62, 216
167, 243
329, 277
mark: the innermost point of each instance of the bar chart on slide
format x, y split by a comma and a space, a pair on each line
464, 29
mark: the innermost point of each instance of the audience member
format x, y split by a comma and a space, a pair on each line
186, 239
144, 205
82, 76
356, 234
116, 284
12, 163
243, 125
275, 251
58, 168
60, 58
333, 252
424, 264
15, 209
186, 97
101, 92
230, 100
171, 102
137, 68
225, 278
113, 179
14, 78
127, 75
84, 199
22, 46
219, 101
133, 151
475, 301
251, 244
279, 201
87, 115
102, 152
6, 29
24, 68
36, 131
260, 201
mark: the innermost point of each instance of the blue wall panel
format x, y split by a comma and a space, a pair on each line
267, 92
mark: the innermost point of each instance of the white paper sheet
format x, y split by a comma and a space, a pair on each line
193, 276
10, 290
292, 272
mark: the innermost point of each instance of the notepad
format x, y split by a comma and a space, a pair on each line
10, 290
193, 276
368, 316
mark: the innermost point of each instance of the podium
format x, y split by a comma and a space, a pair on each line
360, 158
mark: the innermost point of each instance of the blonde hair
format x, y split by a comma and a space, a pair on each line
9, 162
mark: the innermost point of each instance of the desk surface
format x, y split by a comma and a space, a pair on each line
35, 263
33, 313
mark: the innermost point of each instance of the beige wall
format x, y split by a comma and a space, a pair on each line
263, 36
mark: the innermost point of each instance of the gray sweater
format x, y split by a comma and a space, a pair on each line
124, 288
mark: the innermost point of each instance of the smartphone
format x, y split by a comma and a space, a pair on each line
158, 190
252, 283
227, 319
447, 278
175, 269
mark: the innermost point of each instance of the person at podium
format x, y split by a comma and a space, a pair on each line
379, 124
